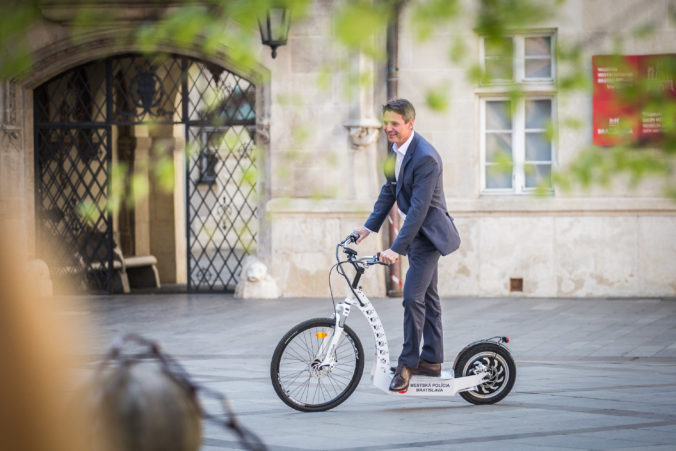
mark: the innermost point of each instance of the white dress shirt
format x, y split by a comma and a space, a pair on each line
401, 153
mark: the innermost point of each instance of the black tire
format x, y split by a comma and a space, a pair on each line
297, 380
501, 367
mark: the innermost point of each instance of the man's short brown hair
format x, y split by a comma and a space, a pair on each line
402, 107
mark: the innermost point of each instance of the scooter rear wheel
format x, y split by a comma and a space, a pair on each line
298, 378
501, 372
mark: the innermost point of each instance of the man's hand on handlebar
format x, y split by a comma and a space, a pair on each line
389, 256
363, 232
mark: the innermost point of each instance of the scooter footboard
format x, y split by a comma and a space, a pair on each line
446, 385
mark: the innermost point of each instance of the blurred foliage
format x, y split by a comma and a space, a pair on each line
437, 99
359, 27
429, 15
359, 22
503, 164
16, 17
117, 183
389, 165
497, 18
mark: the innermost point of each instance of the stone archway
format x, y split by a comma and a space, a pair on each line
86, 119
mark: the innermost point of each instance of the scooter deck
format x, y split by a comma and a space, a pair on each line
419, 385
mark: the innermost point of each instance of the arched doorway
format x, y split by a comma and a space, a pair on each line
109, 123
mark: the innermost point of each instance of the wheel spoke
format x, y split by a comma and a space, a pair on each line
301, 378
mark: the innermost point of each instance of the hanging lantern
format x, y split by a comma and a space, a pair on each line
274, 28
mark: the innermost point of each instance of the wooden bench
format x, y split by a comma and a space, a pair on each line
132, 272
141, 271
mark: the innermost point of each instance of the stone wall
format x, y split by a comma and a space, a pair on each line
325, 156
304, 238
320, 171
569, 255
16, 166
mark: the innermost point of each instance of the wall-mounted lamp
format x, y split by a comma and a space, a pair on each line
274, 28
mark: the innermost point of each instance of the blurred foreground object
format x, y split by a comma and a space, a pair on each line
37, 345
41, 282
148, 402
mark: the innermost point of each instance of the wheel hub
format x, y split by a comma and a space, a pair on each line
318, 371
495, 374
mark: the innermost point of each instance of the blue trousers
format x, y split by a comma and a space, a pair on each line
422, 309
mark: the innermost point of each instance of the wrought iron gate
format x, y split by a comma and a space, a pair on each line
78, 113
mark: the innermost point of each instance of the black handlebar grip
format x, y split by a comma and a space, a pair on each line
354, 236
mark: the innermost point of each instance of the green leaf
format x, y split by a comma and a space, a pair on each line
389, 164
430, 14
88, 211
324, 78
139, 188
16, 18
164, 173
644, 31
496, 17
437, 99
458, 50
118, 174
357, 24
573, 123
250, 176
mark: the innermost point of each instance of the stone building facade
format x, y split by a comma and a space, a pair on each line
320, 164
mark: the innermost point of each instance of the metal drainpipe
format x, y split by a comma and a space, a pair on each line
394, 284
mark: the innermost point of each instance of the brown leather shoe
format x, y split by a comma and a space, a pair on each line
427, 369
401, 378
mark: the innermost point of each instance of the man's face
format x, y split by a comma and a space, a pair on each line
397, 130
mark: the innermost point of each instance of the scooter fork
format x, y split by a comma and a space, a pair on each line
342, 312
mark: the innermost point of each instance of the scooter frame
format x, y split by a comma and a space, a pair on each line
381, 373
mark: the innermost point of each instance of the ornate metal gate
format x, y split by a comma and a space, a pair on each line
81, 114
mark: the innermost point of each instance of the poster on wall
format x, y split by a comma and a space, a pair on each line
623, 88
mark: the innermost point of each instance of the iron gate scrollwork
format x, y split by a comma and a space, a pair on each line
81, 114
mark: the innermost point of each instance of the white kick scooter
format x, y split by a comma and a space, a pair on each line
319, 362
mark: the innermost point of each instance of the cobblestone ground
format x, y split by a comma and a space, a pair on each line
592, 373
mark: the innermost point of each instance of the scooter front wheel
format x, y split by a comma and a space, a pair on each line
497, 362
296, 369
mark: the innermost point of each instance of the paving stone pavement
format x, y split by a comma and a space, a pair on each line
591, 373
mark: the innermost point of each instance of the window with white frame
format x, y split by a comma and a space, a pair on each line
518, 58
538, 61
516, 143
517, 149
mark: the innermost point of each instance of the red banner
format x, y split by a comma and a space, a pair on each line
623, 111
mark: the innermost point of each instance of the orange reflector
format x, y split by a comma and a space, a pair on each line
321, 334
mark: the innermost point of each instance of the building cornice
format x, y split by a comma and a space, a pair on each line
489, 205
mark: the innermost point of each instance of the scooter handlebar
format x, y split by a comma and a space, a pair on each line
351, 238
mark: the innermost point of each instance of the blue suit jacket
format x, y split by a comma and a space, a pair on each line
419, 193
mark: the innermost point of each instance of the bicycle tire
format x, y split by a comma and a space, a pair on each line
308, 388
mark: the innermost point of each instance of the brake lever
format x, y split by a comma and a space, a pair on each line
376, 260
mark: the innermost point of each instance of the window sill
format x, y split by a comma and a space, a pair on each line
509, 203
539, 87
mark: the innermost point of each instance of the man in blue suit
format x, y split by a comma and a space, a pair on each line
428, 232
